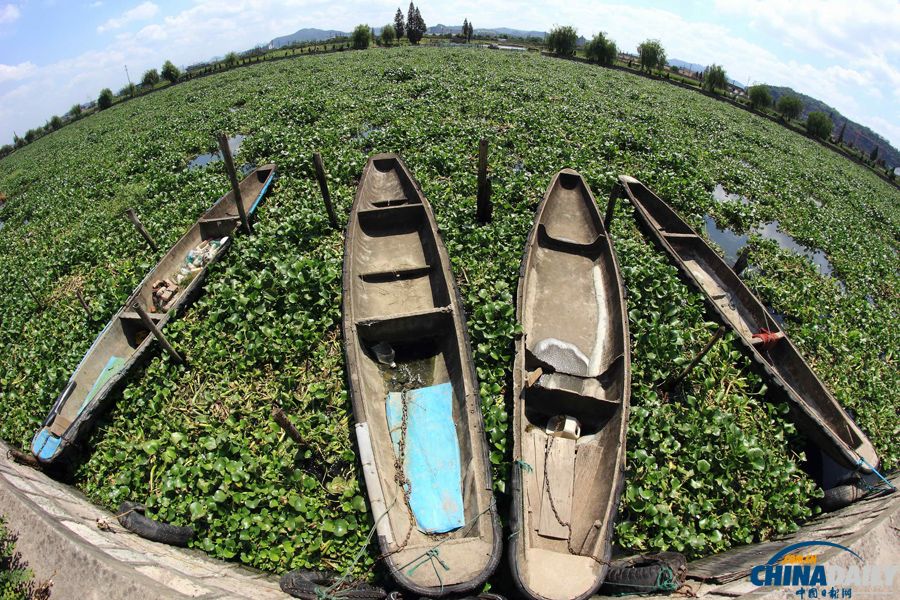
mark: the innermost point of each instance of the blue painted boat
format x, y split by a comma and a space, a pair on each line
125, 339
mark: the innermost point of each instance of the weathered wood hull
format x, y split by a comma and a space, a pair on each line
124, 341
401, 306
571, 395
812, 405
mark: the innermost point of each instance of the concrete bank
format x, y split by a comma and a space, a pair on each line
58, 537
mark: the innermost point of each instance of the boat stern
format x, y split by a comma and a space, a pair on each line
45, 446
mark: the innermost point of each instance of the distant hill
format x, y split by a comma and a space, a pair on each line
859, 135
306, 35
487, 32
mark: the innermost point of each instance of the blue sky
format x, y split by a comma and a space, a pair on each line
54, 53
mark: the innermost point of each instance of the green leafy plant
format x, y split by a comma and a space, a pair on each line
712, 465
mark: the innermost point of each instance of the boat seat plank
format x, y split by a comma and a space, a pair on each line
133, 316
678, 235
557, 489
565, 245
218, 227
570, 385
389, 202
404, 326
411, 272
390, 212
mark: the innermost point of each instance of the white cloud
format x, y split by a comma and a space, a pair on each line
15, 72
141, 12
9, 13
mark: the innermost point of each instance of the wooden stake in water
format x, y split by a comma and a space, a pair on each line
232, 177
323, 186
611, 205
672, 382
132, 216
33, 295
741, 263
483, 208
84, 304
149, 324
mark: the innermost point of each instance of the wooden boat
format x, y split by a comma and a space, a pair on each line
571, 394
414, 392
813, 407
126, 338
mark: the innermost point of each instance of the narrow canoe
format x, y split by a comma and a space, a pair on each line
813, 408
571, 394
414, 392
125, 338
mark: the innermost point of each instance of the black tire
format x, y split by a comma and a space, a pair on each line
131, 516
660, 572
840, 496
311, 585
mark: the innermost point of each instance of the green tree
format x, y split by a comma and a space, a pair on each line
231, 59
54, 123
760, 97
31, 135
105, 99
415, 25
715, 78
388, 35
399, 24
562, 41
819, 124
874, 155
170, 72
150, 78
601, 50
361, 37
470, 32
840, 139
790, 106
652, 55
75, 111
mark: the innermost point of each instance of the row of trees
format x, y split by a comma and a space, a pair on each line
563, 41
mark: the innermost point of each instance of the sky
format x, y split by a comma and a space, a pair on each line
55, 53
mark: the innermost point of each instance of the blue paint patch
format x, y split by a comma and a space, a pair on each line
113, 365
263, 191
432, 463
45, 444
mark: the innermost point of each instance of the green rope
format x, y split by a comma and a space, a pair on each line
433, 553
524, 466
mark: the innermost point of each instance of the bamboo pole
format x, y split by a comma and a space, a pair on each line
149, 324
33, 295
282, 419
84, 304
132, 216
323, 186
232, 177
611, 206
671, 382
